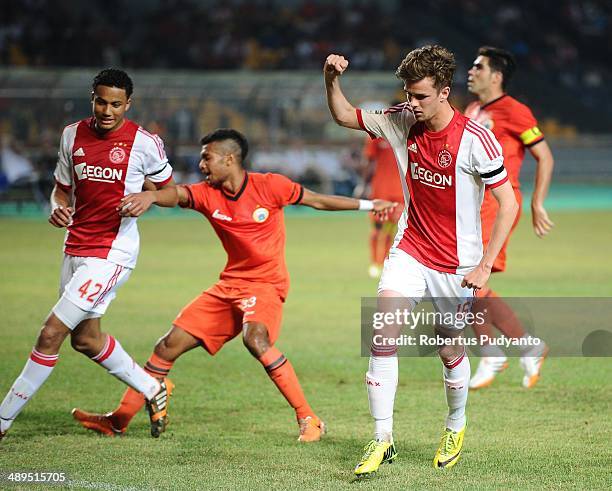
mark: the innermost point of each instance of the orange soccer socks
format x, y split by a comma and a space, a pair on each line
133, 401
281, 372
499, 314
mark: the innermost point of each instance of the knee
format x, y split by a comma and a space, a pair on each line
164, 349
85, 344
52, 335
450, 353
255, 338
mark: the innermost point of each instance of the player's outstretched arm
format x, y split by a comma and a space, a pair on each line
135, 204
544, 170
341, 110
61, 211
508, 208
328, 202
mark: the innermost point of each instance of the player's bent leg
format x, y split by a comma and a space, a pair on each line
37, 369
279, 369
88, 338
168, 348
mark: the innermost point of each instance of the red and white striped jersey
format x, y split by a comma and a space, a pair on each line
445, 174
101, 169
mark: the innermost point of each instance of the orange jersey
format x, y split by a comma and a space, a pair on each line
251, 226
386, 183
513, 125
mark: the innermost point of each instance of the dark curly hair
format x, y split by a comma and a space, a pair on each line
113, 77
429, 61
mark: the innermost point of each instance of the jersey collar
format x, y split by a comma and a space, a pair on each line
493, 101
234, 197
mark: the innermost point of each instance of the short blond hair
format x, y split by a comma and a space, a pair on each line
429, 61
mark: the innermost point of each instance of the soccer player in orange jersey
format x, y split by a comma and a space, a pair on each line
246, 211
516, 129
382, 175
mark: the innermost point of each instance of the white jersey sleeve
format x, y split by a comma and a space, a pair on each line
63, 168
156, 166
393, 124
486, 156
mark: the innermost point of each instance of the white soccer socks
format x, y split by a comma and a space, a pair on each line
381, 382
456, 379
37, 369
119, 364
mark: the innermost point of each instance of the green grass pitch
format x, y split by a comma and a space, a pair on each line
231, 429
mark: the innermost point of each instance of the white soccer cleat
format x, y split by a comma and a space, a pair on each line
488, 368
532, 366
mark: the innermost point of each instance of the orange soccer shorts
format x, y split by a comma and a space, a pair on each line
488, 212
216, 316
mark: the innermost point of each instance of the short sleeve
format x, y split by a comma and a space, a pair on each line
486, 155
526, 126
63, 168
393, 124
284, 191
157, 169
196, 196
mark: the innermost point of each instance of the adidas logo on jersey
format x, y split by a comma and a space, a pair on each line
412, 147
79, 152
98, 173
430, 178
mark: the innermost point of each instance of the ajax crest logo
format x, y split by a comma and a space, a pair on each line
116, 155
260, 215
444, 158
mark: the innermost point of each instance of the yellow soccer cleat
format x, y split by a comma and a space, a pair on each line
450, 448
375, 454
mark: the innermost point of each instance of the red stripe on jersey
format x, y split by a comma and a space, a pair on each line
486, 135
482, 142
360, 121
62, 186
485, 138
155, 140
106, 351
398, 108
37, 357
163, 183
494, 185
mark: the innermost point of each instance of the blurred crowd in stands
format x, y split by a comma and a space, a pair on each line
564, 36
563, 49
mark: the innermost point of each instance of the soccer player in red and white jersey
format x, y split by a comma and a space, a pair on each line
516, 129
102, 165
381, 175
446, 160
246, 211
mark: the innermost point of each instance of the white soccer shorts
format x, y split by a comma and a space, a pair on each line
87, 287
405, 275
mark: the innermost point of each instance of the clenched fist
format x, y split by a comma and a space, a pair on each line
335, 65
